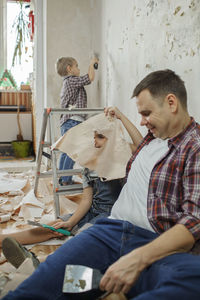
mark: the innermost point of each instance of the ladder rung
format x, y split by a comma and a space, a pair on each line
79, 111
61, 172
46, 155
72, 192
71, 187
70, 172
68, 189
46, 144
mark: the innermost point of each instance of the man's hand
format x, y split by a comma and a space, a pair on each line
122, 275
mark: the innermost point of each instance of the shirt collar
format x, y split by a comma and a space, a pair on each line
65, 77
175, 141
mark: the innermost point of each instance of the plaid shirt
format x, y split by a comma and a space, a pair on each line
73, 93
174, 186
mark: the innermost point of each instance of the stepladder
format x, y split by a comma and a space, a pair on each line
46, 140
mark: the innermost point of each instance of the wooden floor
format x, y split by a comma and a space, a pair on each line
42, 251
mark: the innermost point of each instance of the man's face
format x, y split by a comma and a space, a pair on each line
99, 140
156, 115
74, 69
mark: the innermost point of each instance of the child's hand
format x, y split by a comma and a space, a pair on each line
61, 224
112, 111
92, 67
94, 60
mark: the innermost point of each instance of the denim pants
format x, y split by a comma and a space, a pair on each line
105, 193
66, 162
172, 278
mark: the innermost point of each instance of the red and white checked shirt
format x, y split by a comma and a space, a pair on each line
174, 186
73, 93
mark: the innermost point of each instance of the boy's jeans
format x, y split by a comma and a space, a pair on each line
66, 162
174, 277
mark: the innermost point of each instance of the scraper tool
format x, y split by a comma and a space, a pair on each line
60, 230
79, 280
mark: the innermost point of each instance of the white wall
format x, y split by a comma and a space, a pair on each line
139, 37
11, 132
133, 39
39, 67
69, 33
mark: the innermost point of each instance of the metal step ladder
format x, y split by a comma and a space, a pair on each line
47, 123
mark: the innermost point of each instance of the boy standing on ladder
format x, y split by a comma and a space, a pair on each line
73, 93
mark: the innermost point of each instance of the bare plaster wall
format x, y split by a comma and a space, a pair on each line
133, 38
139, 37
69, 33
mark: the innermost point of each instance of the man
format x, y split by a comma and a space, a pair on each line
142, 247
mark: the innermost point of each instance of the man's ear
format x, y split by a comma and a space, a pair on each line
172, 101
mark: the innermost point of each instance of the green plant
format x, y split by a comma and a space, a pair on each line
22, 33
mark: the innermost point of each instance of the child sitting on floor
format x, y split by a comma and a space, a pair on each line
104, 151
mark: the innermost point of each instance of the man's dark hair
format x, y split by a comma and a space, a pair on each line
161, 83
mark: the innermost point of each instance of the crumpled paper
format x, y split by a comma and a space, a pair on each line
110, 161
17, 277
31, 207
10, 184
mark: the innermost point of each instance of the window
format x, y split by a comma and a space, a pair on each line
22, 72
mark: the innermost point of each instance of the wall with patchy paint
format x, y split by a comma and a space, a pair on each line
69, 32
143, 36
133, 38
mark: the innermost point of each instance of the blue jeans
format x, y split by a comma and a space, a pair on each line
172, 278
66, 162
105, 193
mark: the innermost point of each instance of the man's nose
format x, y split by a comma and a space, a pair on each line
143, 121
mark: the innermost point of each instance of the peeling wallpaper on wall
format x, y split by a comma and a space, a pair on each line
133, 38
143, 36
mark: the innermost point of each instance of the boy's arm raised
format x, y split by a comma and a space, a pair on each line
91, 71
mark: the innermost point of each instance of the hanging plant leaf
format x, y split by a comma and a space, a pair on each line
20, 25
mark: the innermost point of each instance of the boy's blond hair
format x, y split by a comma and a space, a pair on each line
62, 63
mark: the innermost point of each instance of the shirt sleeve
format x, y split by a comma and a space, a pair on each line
191, 203
79, 81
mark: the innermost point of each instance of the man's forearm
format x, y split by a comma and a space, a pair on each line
177, 239
121, 275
